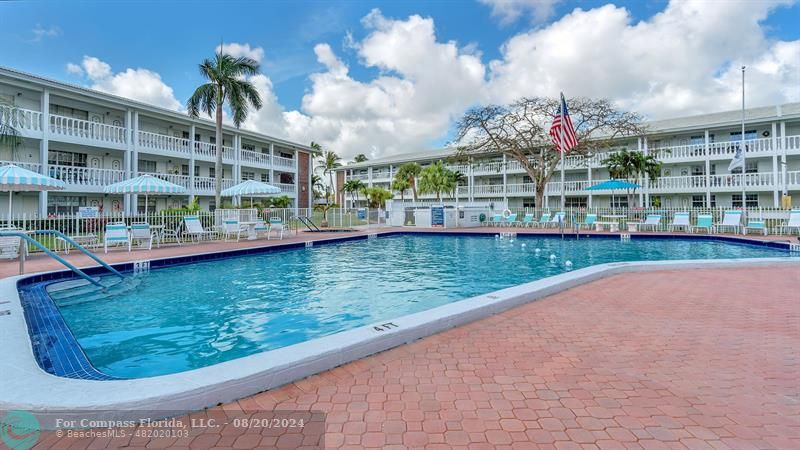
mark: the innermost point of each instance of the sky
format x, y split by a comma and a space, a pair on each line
389, 77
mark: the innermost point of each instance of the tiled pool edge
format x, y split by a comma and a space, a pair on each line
30, 388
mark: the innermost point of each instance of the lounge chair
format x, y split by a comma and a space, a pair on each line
588, 222
542, 221
508, 221
194, 229
174, 233
116, 234
680, 220
652, 220
705, 221
261, 227
731, 220
495, 220
793, 223
557, 220
526, 220
231, 227
9, 245
759, 226
275, 223
142, 233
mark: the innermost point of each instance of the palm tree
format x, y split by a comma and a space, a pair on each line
227, 85
458, 178
330, 162
401, 185
377, 196
436, 178
360, 158
9, 135
353, 187
633, 165
409, 172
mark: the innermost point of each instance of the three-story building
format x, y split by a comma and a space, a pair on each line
695, 152
89, 139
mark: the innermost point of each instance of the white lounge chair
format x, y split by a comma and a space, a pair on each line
759, 226
680, 220
793, 223
731, 220
231, 227
557, 219
652, 220
9, 245
116, 234
194, 229
276, 224
143, 234
261, 227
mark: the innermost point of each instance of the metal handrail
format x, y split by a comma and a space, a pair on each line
53, 255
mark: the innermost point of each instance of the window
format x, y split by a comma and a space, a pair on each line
527, 179
575, 202
248, 175
698, 201
147, 166
249, 147
213, 139
713, 201
265, 150
752, 200
151, 204
197, 171
529, 203
72, 159
694, 140
69, 112
286, 155
64, 204
185, 134
698, 170
185, 170
748, 135
655, 201
749, 165
212, 172
265, 178
619, 201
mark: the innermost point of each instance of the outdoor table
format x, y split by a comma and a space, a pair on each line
613, 223
251, 230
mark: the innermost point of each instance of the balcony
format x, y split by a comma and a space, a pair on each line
359, 176
33, 167
523, 189
28, 122
793, 179
79, 131
180, 180
161, 143
256, 159
381, 176
86, 179
487, 190
286, 188
733, 182
280, 162
205, 185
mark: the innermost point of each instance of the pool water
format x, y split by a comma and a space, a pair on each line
184, 317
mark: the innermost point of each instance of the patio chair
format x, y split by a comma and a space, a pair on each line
557, 219
9, 245
275, 223
174, 233
526, 220
542, 221
143, 234
261, 227
652, 220
231, 227
705, 221
759, 226
116, 234
588, 222
495, 220
680, 220
793, 223
508, 221
731, 220
194, 229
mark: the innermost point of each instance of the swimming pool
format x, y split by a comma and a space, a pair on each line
188, 316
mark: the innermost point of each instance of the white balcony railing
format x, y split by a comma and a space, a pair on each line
34, 167
281, 162
488, 189
206, 184
21, 119
521, 189
162, 142
286, 188
86, 176
385, 175
205, 149
793, 179
180, 180
228, 153
733, 180
86, 130
359, 176
255, 158
792, 142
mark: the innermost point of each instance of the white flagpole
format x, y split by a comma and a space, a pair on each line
561, 147
744, 158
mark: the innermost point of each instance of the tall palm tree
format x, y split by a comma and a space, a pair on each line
401, 185
409, 172
330, 162
436, 178
360, 158
633, 165
9, 135
316, 184
353, 187
457, 178
227, 85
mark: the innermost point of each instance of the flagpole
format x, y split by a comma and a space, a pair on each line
561, 147
744, 159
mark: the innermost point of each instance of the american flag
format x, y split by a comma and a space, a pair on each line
569, 138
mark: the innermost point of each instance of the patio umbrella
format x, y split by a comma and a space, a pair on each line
144, 184
251, 188
13, 178
612, 185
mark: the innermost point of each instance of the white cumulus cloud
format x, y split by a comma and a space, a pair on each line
509, 11
238, 50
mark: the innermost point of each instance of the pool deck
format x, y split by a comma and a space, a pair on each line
702, 359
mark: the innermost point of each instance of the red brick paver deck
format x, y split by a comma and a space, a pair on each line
706, 359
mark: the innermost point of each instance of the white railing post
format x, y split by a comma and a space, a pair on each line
44, 149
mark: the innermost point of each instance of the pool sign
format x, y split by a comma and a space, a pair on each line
437, 216
362, 214
88, 212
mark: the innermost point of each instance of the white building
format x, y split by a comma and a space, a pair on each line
695, 152
89, 139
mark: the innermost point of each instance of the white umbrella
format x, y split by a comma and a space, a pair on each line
144, 184
251, 188
14, 178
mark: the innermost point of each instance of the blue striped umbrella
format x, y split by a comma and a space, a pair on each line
144, 184
251, 188
13, 178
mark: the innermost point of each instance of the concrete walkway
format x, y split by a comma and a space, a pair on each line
706, 359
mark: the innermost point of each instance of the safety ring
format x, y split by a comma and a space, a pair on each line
506, 213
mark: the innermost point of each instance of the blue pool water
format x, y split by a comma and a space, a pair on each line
189, 316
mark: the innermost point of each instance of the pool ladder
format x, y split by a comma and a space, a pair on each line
25, 237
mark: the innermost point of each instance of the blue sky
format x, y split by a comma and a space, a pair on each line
171, 38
